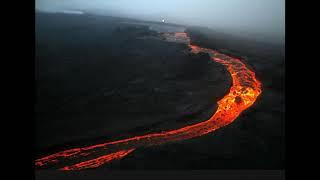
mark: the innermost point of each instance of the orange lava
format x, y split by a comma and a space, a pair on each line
243, 93
93, 163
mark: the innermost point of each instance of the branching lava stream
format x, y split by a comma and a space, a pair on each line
243, 93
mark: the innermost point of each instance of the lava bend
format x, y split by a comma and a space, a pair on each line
243, 93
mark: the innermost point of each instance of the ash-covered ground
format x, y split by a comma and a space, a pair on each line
102, 78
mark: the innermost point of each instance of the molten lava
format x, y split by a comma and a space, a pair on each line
243, 93
98, 161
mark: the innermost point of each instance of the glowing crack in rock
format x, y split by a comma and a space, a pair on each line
243, 93
98, 161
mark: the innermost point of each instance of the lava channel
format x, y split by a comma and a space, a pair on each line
243, 93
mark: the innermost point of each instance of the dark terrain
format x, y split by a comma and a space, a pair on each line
98, 79
255, 140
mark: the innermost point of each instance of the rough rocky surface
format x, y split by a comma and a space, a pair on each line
98, 80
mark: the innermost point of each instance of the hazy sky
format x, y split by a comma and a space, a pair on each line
262, 17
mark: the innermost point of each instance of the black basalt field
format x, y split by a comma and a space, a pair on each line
102, 78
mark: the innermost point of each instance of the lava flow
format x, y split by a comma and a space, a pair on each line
243, 93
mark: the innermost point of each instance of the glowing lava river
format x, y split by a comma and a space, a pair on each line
243, 93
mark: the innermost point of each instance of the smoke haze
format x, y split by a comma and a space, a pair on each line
258, 19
